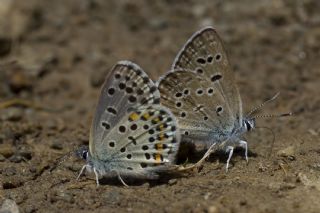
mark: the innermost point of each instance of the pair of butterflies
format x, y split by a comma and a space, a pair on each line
138, 125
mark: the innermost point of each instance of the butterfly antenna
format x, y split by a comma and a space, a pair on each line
62, 159
256, 109
273, 140
273, 115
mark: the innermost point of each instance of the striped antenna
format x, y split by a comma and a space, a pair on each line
256, 109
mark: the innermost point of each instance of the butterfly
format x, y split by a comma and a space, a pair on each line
131, 134
201, 92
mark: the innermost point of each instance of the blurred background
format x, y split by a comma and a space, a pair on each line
54, 56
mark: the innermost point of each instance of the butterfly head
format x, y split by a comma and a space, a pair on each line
82, 152
249, 124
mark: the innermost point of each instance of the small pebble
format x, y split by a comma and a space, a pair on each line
51, 124
243, 202
2, 158
7, 150
64, 196
199, 10
56, 144
213, 209
25, 154
97, 78
30, 209
172, 182
10, 171
12, 114
5, 46
33, 169
207, 195
16, 158
2, 137
9, 206
287, 186
288, 152
113, 196
158, 23
19, 80
315, 166
12, 183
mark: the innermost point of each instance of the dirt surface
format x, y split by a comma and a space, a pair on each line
55, 55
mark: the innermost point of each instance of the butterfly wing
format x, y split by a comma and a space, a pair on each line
199, 107
127, 86
205, 55
143, 143
131, 133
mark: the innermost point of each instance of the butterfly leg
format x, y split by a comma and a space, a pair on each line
230, 150
244, 145
81, 171
97, 176
121, 180
199, 163
206, 155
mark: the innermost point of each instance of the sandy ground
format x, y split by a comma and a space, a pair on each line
55, 54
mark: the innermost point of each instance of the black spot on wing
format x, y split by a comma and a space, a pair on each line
216, 77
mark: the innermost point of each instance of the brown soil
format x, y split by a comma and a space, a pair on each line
55, 54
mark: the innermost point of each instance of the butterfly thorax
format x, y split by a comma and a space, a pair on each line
101, 168
229, 137
247, 125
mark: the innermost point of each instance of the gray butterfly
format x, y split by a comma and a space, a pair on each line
201, 92
131, 134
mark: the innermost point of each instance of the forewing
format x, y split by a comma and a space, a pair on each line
144, 142
198, 105
205, 55
127, 86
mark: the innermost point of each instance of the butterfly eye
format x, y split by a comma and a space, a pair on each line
84, 155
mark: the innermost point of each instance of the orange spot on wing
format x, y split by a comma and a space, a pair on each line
146, 116
157, 158
159, 146
161, 127
156, 120
134, 116
161, 136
